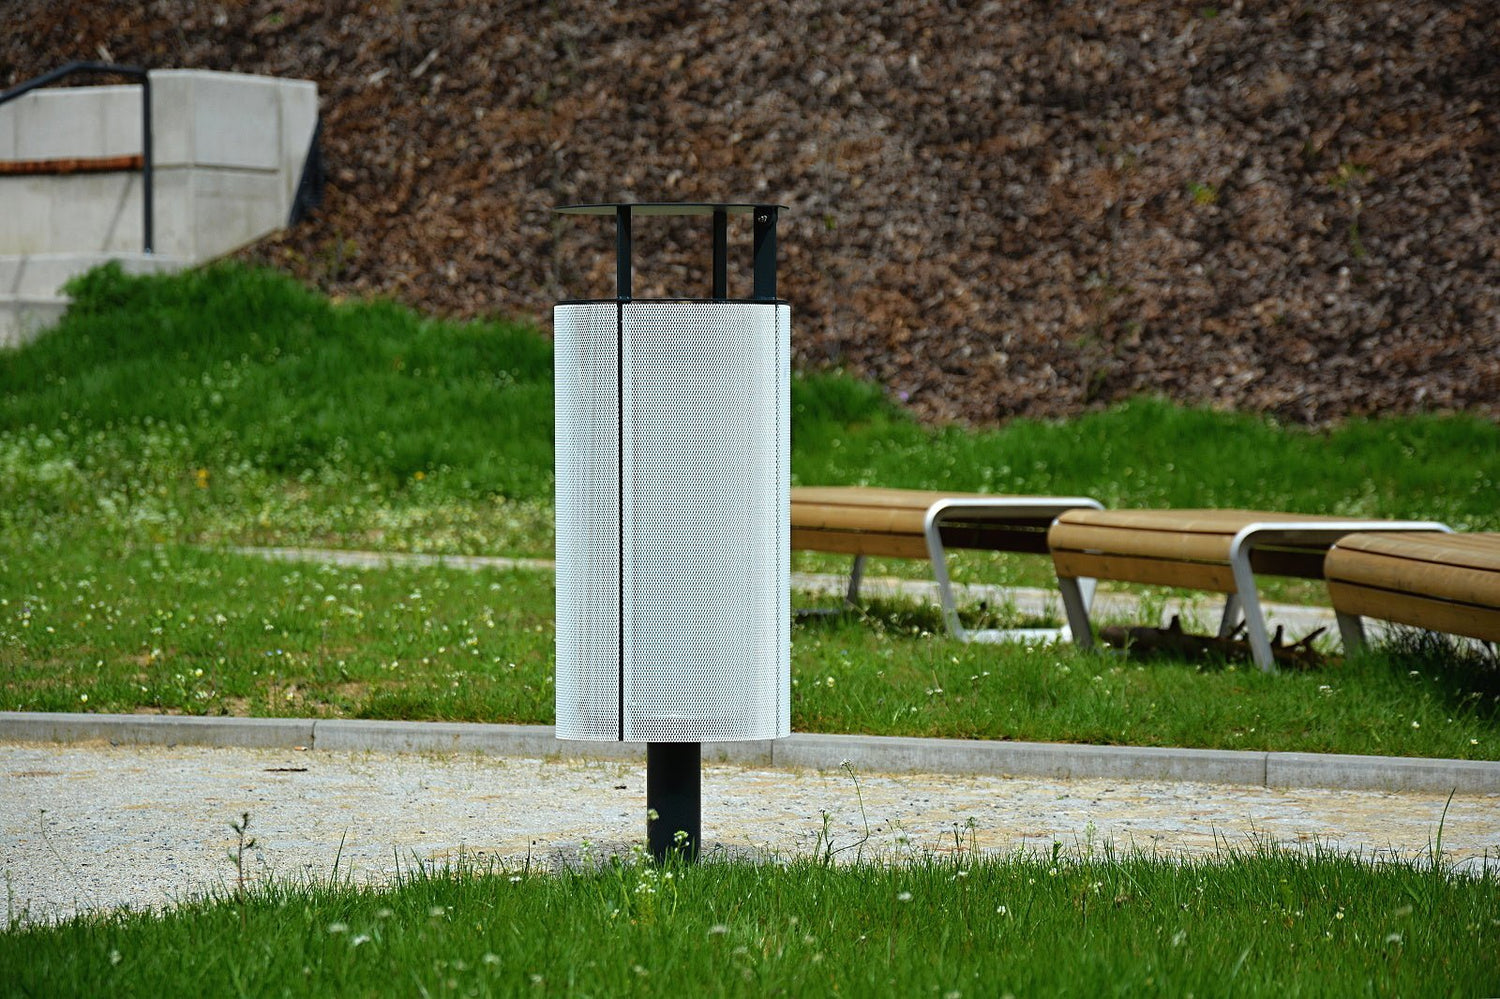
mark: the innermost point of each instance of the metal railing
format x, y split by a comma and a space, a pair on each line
134, 73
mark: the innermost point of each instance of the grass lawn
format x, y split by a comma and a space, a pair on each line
178, 629
167, 417
170, 417
1248, 923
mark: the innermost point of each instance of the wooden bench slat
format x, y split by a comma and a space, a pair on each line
1068, 536
847, 518
1417, 611
869, 496
1479, 587
1211, 522
1474, 551
1206, 538
1190, 575
892, 522
859, 543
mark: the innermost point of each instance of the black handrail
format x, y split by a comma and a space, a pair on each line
140, 76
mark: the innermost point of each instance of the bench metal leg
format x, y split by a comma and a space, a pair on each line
856, 576
1231, 616
938, 555
939, 558
1244, 579
1352, 631
1255, 619
1077, 594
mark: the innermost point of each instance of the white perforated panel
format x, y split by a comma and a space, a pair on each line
587, 420
701, 471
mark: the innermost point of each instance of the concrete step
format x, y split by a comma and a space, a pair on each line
44, 274
31, 286
23, 318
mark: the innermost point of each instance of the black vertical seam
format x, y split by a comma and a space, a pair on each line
620, 507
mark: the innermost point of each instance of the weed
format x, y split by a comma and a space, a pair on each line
237, 857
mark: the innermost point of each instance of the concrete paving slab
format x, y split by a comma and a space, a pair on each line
94, 826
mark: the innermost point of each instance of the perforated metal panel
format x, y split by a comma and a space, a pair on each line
690, 402
587, 458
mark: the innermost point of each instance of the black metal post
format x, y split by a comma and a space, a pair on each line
721, 254
148, 212
765, 253
622, 252
674, 799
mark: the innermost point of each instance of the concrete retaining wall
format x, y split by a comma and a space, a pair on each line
229, 151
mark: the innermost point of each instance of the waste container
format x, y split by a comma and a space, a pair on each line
673, 544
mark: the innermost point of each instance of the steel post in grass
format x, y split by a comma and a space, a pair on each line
674, 799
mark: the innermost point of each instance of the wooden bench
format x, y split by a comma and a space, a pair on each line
1441, 582
1216, 550
907, 523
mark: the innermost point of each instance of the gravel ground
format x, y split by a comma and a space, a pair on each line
86, 827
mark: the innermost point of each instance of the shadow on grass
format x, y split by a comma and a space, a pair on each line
1465, 674
908, 617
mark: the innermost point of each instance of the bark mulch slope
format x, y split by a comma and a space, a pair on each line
997, 209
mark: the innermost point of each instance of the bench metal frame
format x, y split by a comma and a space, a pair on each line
950, 509
1245, 600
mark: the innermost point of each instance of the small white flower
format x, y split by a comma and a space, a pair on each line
904, 896
338, 927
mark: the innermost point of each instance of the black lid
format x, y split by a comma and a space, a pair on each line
665, 208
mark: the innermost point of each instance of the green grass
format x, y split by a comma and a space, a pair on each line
168, 417
179, 629
228, 405
1254, 923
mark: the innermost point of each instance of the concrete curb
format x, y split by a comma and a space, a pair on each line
869, 753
